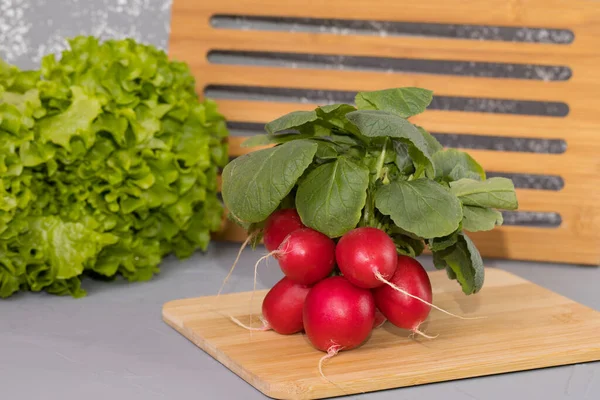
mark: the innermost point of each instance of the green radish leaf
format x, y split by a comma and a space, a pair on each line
326, 150
337, 109
408, 246
340, 140
369, 166
342, 143
390, 153
410, 160
396, 230
422, 207
494, 192
265, 139
391, 173
405, 102
293, 120
259, 140
330, 198
440, 263
438, 260
462, 262
423, 164
460, 172
245, 225
374, 123
450, 273
335, 114
476, 263
403, 160
256, 183
319, 128
338, 144
380, 153
289, 201
442, 243
452, 164
480, 219
432, 142
257, 233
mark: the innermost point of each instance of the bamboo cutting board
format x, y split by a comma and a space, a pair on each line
527, 327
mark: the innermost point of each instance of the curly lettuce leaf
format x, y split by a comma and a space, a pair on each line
108, 163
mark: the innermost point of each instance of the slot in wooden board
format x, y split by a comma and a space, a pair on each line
193, 37
527, 327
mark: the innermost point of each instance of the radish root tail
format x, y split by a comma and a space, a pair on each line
275, 252
265, 327
239, 254
418, 332
331, 352
382, 279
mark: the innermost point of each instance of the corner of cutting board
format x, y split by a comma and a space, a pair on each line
271, 388
169, 317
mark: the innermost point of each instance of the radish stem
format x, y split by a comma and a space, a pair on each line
382, 279
265, 326
248, 239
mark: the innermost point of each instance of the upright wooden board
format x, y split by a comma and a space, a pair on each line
527, 327
577, 93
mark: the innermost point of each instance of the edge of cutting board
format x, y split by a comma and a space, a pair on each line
287, 390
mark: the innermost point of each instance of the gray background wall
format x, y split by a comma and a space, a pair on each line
30, 29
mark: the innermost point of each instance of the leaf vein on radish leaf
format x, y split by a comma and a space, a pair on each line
331, 197
494, 192
422, 207
464, 262
255, 184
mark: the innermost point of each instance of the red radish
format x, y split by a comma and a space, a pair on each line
338, 315
282, 306
400, 309
366, 256
306, 256
280, 224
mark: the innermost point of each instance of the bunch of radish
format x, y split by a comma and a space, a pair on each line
339, 292
368, 186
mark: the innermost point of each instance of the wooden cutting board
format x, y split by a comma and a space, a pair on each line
527, 327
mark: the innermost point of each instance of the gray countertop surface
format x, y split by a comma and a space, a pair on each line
113, 344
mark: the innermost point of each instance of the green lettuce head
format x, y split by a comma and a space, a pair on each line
108, 162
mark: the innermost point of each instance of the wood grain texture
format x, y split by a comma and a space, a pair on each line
527, 327
577, 240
